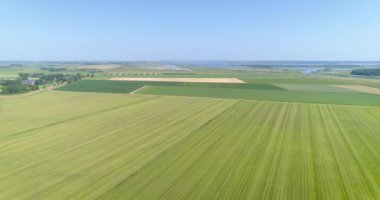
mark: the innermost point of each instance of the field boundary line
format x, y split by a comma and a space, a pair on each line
138, 89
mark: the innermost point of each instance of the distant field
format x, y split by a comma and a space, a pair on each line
268, 95
360, 88
97, 67
186, 80
7, 77
297, 80
71, 145
10, 73
107, 86
102, 86
315, 88
314, 80
249, 91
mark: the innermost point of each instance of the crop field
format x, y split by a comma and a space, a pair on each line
98, 67
304, 93
278, 136
314, 80
117, 146
8, 74
315, 88
361, 88
102, 86
183, 80
267, 95
108, 86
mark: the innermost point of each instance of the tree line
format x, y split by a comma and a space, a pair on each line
366, 72
15, 87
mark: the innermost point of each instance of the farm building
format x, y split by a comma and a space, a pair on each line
28, 82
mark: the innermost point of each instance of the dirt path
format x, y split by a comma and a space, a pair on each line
143, 87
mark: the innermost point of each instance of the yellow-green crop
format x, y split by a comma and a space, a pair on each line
66, 145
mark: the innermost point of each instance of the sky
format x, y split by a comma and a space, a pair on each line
112, 30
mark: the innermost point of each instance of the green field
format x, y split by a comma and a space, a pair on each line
268, 95
314, 88
107, 86
313, 80
281, 135
252, 91
70, 145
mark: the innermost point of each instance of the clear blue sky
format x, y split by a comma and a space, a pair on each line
190, 30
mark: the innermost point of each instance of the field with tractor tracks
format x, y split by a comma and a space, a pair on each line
155, 147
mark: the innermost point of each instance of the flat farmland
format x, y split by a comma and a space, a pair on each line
324, 94
267, 95
316, 88
116, 146
360, 88
107, 86
186, 80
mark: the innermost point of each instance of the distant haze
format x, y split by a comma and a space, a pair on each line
190, 30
